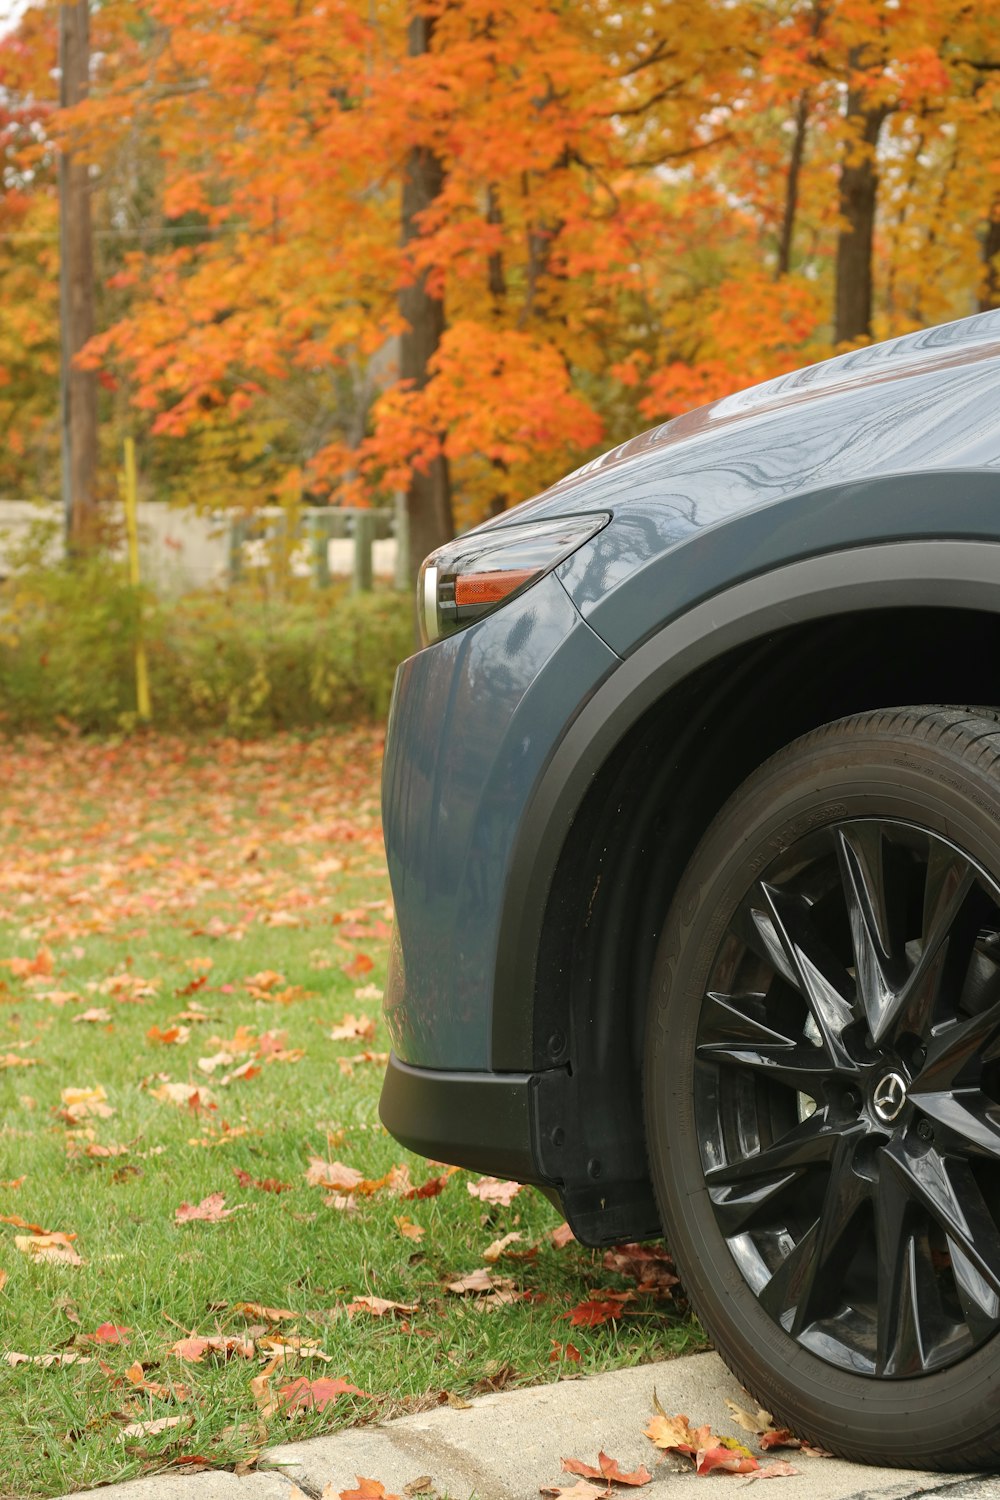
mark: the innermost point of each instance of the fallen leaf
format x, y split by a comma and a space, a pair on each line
562, 1236
609, 1471
14, 1182
255, 1311
579, 1491
360, 964
496, 1290
96, 1014
492, 1190
564, 1351
50, 1247
150, 1429
11, 1060
708, 1460
174, 1036
194, 1348
493, 1252
107, 1333
263, 1184
379, 1307
408, 1229
354, 1028
757, 1423
431, 1187
46, 1361
83, 1104
315, 1394
598, 1310
370, 1489
185, 1096
676, 1435
332, 1174
779, 1469
779, 1437
212, 1209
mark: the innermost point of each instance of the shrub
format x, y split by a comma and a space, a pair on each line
241, 662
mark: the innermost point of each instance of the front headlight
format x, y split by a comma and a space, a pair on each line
466, 579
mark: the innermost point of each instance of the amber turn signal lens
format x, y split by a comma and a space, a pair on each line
490, 588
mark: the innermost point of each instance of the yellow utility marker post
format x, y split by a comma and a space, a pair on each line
130, 488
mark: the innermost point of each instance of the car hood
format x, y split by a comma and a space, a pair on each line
832, 385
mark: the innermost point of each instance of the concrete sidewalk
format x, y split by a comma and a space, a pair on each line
504, 1447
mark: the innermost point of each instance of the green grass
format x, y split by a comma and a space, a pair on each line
124, 859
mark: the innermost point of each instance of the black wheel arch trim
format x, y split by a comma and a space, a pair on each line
943, 573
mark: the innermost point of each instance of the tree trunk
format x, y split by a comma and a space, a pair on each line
990, 296
79, 387
428, 498
857, 202
792, 186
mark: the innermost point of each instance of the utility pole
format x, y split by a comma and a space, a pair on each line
76, 294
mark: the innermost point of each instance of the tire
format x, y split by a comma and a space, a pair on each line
822, 1086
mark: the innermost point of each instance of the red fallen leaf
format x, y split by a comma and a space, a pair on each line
315, 1394
779, 1437
593, 1313
265, 1184
707, 1460
368, 1489
195, 985
174, 1035
779, 1469
564, 1351
431, 1187
360, 964
608, 1471
212, 1209
107, 1333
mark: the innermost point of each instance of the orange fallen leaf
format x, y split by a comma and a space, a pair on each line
254, 1312
97, 1014
408, 1229
211, 1209
14, 1182
609, 1471
50, 1247
360, 964
676, 1435
174, 1036
564, 1351
354, 1028
11, 1060
368, 1489
332, 1174
562, 1236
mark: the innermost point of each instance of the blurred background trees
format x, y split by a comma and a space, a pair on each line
358, 247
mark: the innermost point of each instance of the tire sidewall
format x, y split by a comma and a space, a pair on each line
925, 1420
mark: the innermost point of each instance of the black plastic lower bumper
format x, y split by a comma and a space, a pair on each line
476, 1120
520, 1126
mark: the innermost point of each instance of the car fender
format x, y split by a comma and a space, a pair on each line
952, 573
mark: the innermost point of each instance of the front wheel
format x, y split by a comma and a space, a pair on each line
822, 1086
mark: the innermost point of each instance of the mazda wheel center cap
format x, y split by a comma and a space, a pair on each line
889, 1097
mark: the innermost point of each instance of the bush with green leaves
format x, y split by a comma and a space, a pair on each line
241, 661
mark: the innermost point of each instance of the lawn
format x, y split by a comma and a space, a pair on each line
186, 931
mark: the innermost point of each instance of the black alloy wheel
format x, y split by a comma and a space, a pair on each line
823, 1085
